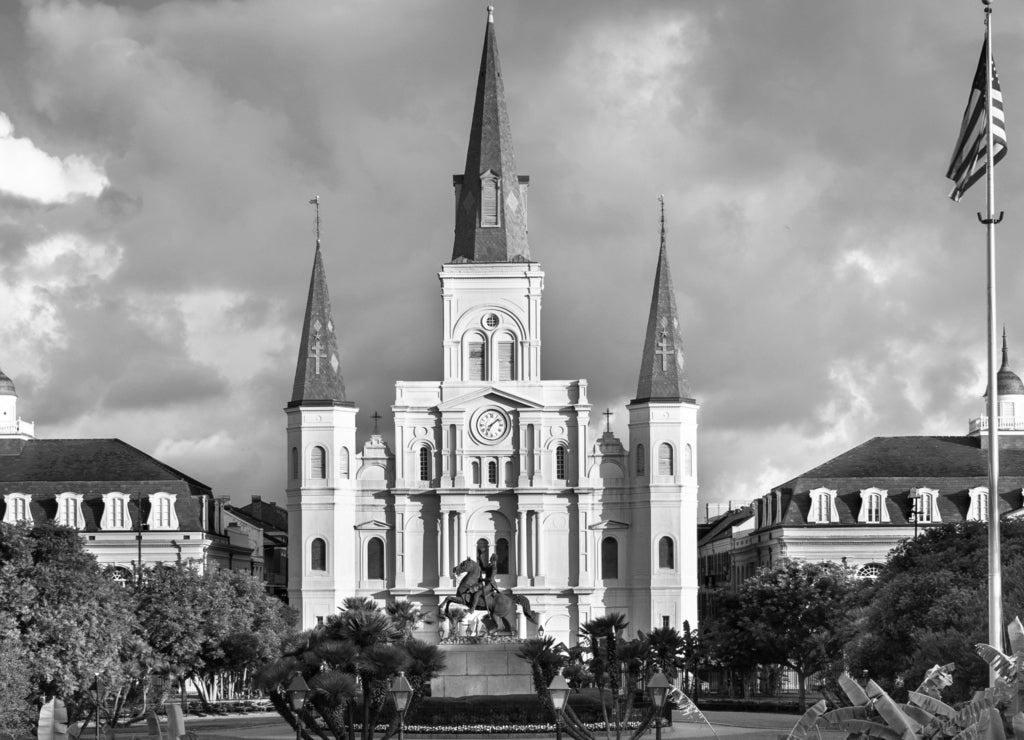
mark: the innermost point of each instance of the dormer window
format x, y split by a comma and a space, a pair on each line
872, 506
823, 507
17, 508
69, 510
924, 506
978, 510
490, 199
115, 512
161, 511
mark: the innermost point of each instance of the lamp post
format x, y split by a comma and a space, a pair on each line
297, 691
97, 705
915, 498
658, 686
401, 692
559, 691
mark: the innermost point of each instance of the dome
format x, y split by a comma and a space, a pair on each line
6, 385
1008, 383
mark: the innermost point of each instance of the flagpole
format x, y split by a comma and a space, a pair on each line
995, 579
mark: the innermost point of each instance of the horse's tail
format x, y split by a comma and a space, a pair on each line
525, 603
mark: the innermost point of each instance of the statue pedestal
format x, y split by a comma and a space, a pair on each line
482, 667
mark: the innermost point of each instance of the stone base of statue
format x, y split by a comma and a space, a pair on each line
482, 666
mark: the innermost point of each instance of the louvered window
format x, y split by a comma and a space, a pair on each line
665, 465
640, 460
492, 472
317, 463
489, 200
506, 361
476, 360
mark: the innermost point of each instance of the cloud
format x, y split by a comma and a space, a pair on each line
28, 172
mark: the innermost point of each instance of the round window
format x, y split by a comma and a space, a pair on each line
491, 320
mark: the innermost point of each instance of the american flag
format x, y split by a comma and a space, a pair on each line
971, 153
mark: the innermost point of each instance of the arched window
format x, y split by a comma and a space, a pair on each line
501, 550
318, 555
925, 510
978, 510
492, 472
343, 462
69, 509
640, 462
294, 462
666, 553
475, 468
317, 463
476, 359
424, 463
688, 461
509, 479
609, 558
17, 508
665, 462
560, 469
506, 358
115, 512
375, 558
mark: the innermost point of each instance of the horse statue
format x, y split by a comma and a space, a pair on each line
476, 592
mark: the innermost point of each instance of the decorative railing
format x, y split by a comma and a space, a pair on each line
18, 427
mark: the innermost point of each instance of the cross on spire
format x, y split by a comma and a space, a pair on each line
316, 202
607, 420
663, 350
317, 352
376, 418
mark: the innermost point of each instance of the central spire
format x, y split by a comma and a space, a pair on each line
490, 197
662, 377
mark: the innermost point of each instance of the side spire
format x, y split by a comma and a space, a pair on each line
662, 376
318, 379
490, 197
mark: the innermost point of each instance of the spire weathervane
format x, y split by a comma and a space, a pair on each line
661, 200
316, 202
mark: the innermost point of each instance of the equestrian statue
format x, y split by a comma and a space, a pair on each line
476, 591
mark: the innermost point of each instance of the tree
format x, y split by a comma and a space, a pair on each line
354, 653
794, 614
61, 619
204, 626
927, 606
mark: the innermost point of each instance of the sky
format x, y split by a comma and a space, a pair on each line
157, 159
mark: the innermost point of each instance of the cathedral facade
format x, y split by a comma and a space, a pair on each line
492, 459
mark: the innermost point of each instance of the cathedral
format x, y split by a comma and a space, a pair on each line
492, 462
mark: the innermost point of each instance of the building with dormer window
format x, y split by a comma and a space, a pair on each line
492, 457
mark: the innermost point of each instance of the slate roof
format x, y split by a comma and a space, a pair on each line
264, 514
6, 385
490, 148
318, 379
42, 468
950, 465
662, 370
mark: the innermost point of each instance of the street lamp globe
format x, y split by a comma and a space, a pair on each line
659, 688
559, 691
297, 691
401, 691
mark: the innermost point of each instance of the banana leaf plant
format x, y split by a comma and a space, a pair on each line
990, 714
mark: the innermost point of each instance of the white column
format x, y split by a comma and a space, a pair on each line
538, 567
520, 547
521, 625
442, 546
462, 536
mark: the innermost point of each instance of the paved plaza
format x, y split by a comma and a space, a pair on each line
746, 725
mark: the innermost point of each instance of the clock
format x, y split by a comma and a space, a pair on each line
491, 425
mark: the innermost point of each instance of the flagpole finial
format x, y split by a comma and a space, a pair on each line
490, 13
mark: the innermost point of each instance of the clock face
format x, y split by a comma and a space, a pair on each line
491, 425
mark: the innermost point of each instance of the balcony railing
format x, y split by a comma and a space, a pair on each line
1006, 423
18, 427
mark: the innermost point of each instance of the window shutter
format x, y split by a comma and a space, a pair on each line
506, 361
489, 200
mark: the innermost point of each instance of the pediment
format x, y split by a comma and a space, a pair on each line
495, 394
609, 524
373, 525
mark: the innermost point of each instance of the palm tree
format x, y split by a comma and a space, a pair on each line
601, 636
406, 616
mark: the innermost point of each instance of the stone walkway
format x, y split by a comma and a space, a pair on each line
740, 725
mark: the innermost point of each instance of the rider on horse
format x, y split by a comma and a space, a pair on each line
484, 583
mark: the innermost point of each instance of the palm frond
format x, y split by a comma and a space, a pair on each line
807, 721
